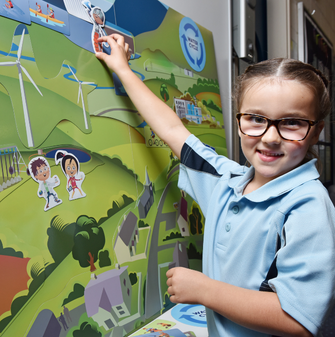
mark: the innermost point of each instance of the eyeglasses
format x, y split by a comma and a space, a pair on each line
294, 129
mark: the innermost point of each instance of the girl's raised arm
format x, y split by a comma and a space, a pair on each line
161, 118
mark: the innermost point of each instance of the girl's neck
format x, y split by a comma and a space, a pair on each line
254, 184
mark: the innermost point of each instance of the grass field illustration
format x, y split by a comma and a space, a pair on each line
95, 266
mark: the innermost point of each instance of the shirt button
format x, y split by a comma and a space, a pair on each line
235, 209
227, 227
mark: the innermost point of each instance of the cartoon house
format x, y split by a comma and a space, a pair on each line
147, 198
127, 239
182, 217
180, 258
186, 109
46, 324
108, 298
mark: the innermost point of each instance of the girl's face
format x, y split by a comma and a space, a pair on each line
70, 167
270, 155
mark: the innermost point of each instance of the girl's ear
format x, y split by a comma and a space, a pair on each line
318, 128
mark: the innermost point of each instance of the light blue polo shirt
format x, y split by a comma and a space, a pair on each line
241, 233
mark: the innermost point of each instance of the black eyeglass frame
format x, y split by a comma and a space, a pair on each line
275, 122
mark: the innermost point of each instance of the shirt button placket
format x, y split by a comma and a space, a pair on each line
235, 209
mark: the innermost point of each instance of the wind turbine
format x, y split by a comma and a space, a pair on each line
23, 93
80, 94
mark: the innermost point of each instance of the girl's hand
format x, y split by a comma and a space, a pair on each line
120, 55
186, 285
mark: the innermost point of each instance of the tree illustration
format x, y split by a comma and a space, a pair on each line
104, 259
87, 330
195, 220
164, 91
60, 241
89, 239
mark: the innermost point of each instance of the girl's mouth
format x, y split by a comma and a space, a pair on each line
268, 156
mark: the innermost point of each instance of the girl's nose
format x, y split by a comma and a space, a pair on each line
271, 136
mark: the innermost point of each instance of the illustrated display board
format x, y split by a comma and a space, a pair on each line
91, 217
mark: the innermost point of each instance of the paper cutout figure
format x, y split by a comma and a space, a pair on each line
71, 169
97, 17
40, 171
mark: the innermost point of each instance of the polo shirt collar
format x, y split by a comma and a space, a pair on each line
275, 187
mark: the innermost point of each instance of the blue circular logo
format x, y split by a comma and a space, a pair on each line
192, 44
194, 315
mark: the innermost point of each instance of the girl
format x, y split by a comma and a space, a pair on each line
268, 227
71, 169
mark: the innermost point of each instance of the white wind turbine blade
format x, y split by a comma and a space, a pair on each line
30, 78
7, 64
19, 52
25, 109
80, 91
74, 75
80, 94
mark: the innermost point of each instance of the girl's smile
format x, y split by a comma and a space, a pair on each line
269, 154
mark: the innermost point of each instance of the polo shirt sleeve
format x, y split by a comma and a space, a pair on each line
200, 170
305, 283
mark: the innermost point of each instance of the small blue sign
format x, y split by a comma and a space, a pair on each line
194, 315
192, 44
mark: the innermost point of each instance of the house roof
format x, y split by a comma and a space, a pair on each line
127, 228
105, 292
183, 208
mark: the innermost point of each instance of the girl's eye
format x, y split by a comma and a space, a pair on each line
257, 120
45, 169
73, 167
68, 168
293, 123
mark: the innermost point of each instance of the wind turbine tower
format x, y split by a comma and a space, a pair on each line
80, 94
21, 68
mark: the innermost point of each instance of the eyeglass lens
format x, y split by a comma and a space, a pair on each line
292, 129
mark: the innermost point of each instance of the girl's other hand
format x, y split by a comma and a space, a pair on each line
186, 285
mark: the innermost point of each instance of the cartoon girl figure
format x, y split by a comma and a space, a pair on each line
71, 169
40, 171
97, 17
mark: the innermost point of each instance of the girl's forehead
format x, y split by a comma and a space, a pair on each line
280, 96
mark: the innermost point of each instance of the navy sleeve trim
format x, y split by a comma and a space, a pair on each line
192, 160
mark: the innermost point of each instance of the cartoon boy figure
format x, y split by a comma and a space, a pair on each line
40, 171
97, 17
71, 169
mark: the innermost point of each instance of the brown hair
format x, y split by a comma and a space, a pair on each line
36, 164
287, 69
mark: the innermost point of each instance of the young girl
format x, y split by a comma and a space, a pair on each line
268, 227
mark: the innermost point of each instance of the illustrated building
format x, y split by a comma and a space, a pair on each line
180, 258
147, 198
127, 238
108, 298
46, 324
186, 109
182, 217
